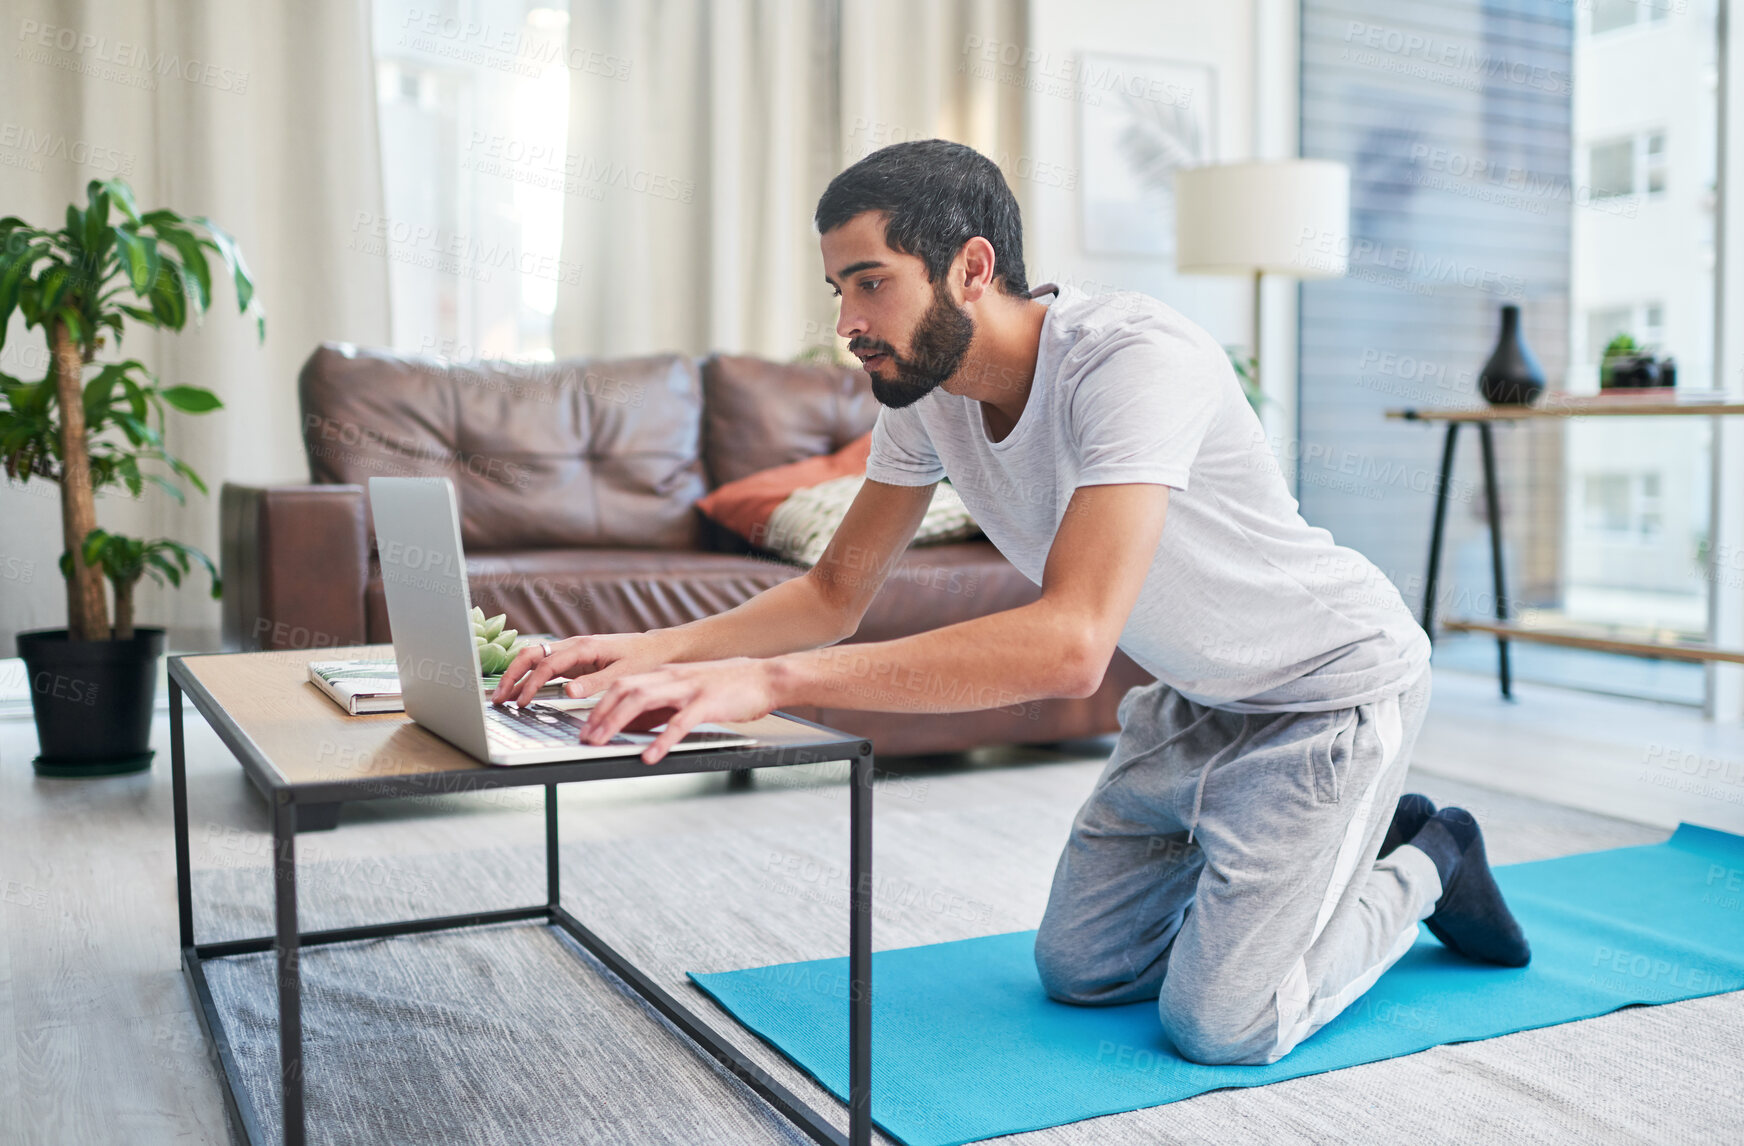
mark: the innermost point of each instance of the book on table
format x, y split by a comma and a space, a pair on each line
365, 687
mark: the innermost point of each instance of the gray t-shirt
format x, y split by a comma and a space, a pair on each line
1246, 606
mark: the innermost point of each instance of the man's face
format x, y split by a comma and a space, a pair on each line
907, 331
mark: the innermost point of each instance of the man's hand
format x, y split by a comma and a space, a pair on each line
591, 663
683, 696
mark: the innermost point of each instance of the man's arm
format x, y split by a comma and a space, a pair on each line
825, 605
1057, 646
820, 608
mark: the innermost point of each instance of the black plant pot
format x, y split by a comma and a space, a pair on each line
92, 701
1512, 376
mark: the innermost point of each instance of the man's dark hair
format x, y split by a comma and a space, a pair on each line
936, 195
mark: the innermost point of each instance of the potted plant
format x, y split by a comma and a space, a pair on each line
89, 426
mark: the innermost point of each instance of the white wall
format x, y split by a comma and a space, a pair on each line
1251, 46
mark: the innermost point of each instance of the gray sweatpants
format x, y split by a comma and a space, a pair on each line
1225, 866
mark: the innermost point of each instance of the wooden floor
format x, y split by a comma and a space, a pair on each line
98, 1042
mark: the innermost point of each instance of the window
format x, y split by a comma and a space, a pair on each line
1624, 505
1611, 168
1630, 166
1607, 502
1609, 231
1644, 322
473, 102
1655, 163
1613, 15
1604, 325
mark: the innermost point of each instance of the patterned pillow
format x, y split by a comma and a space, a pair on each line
801, 526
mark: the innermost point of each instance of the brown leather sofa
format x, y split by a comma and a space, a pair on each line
577, 483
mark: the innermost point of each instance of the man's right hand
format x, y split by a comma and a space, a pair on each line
591, 663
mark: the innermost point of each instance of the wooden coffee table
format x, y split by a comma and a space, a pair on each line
299, 748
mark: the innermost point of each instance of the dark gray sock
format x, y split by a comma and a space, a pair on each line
1471, 916
1412, 812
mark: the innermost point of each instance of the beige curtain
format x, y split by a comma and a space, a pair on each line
259, 115
720, 124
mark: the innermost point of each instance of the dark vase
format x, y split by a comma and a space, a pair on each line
92, 701
1512, 377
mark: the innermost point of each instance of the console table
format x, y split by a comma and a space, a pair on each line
1503, 629
299, 748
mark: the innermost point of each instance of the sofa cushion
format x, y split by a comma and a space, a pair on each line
576, 452
743, 505
760, 414
571, 591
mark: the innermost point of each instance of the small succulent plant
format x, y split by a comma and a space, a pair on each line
497, 646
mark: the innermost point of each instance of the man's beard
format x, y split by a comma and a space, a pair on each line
941, 339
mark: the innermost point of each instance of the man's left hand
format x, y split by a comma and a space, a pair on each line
683, 696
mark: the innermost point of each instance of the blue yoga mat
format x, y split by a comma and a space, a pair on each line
967, 1046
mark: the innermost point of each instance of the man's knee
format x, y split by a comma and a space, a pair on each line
1072, 972
1219, 1035
1060, 963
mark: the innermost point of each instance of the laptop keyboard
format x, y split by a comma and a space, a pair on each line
536, 727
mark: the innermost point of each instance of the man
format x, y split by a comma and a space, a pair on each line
1245, 857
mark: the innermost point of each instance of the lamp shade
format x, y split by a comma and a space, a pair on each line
1287, 217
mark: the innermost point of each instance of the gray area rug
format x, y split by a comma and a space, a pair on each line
511, 1034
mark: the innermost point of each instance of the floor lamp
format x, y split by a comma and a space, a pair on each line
1288, 217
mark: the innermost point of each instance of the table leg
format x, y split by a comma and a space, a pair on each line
1493, 504
1438, 529
553, 890
179, 797
287, 944
860, 951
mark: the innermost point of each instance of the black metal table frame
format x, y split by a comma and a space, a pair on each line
1493, 507
288, 941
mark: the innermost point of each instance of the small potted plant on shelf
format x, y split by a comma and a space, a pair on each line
89, 426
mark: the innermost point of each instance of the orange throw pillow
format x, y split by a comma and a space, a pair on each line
744, 506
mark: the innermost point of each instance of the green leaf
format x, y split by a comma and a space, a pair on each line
168, 487
97, 237
170, 572
167, 300
226, 246
128, 467
14, 270
52, 286
121, 193
182, 469
75, 226
190, 399
95, 543
75, 324
99, 393
136, 259
193, 260
135, 397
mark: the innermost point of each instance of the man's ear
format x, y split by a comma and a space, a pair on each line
973, 269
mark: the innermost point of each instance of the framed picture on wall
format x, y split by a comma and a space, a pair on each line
1140, 119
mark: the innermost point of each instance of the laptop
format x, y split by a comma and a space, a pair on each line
417, 532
